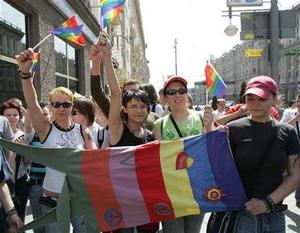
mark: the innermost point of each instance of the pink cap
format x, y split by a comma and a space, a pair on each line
175, 79
261, 86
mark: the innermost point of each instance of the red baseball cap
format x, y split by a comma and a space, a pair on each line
175, 79
261, 86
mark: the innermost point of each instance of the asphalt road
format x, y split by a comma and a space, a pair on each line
292, 217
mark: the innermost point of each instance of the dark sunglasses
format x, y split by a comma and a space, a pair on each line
74, 113
180, 91
63, 104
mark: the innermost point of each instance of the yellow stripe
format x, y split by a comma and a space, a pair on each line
177, 181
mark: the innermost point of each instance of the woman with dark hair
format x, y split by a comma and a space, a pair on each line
153, 98
83, 113
134, 104
12, 112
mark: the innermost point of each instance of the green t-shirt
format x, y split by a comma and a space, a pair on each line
191, 126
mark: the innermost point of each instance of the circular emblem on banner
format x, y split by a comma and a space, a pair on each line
113, 217
214, 194
162, 208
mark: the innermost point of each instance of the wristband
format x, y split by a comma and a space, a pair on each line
269, 203
10, 213
25, 75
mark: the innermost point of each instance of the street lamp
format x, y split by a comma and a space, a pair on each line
230, 30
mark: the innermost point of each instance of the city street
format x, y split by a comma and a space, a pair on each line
292, 217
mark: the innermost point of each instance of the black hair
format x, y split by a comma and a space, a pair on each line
151, 92
86, 107
138, 95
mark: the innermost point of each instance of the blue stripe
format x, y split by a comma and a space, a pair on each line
227, 179
200, 173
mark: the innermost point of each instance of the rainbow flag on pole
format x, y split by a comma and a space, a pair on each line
70, 31
214, 83
35, 62
129, 186
110, 9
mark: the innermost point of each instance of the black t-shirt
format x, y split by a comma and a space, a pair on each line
129, 139
248, 140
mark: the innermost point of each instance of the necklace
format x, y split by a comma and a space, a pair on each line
64, 129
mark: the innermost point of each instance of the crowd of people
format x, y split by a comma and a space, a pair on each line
264, 141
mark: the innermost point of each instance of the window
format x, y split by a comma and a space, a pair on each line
66, 65
12, 39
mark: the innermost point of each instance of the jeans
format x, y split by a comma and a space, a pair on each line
263, 223
35, 192
21, 195
187, 224
77, 223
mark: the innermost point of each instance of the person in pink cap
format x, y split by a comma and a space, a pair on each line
181, 122
263, 149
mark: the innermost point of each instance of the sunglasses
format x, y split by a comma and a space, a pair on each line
74, 113
63, 104
180, 91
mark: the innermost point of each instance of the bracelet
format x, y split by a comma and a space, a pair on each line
25, 75
269, 203
10, 213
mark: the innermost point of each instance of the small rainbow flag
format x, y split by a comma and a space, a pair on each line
35, 61
70, 31
110, 9
214, 83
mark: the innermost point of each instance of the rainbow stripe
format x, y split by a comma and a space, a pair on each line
214, 83
70, 31
35, 62
110, 9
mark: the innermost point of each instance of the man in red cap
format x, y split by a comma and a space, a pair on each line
263, 149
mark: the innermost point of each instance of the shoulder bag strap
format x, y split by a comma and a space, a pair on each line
175, 125
297, 128
267, 150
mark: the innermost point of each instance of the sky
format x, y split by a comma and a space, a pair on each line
197, 25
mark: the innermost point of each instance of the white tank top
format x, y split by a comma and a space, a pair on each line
58, 138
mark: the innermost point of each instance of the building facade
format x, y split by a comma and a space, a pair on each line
24, 23
237, 66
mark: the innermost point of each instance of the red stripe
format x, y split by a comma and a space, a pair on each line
150, 178
95, 170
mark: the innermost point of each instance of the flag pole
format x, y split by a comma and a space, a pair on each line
38, 44
206, 96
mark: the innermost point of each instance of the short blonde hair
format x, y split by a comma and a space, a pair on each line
62, 91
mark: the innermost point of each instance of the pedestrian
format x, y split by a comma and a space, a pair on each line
153, 98
61, 133
127, 130
8, 214
37, 171
181, 122
263, 149
292, 117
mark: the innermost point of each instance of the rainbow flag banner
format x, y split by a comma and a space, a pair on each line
35, 61
70, 31
130, 186
110, 9
214, 83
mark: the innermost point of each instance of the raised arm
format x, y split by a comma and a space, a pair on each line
96, 89
114, 119
40, 125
